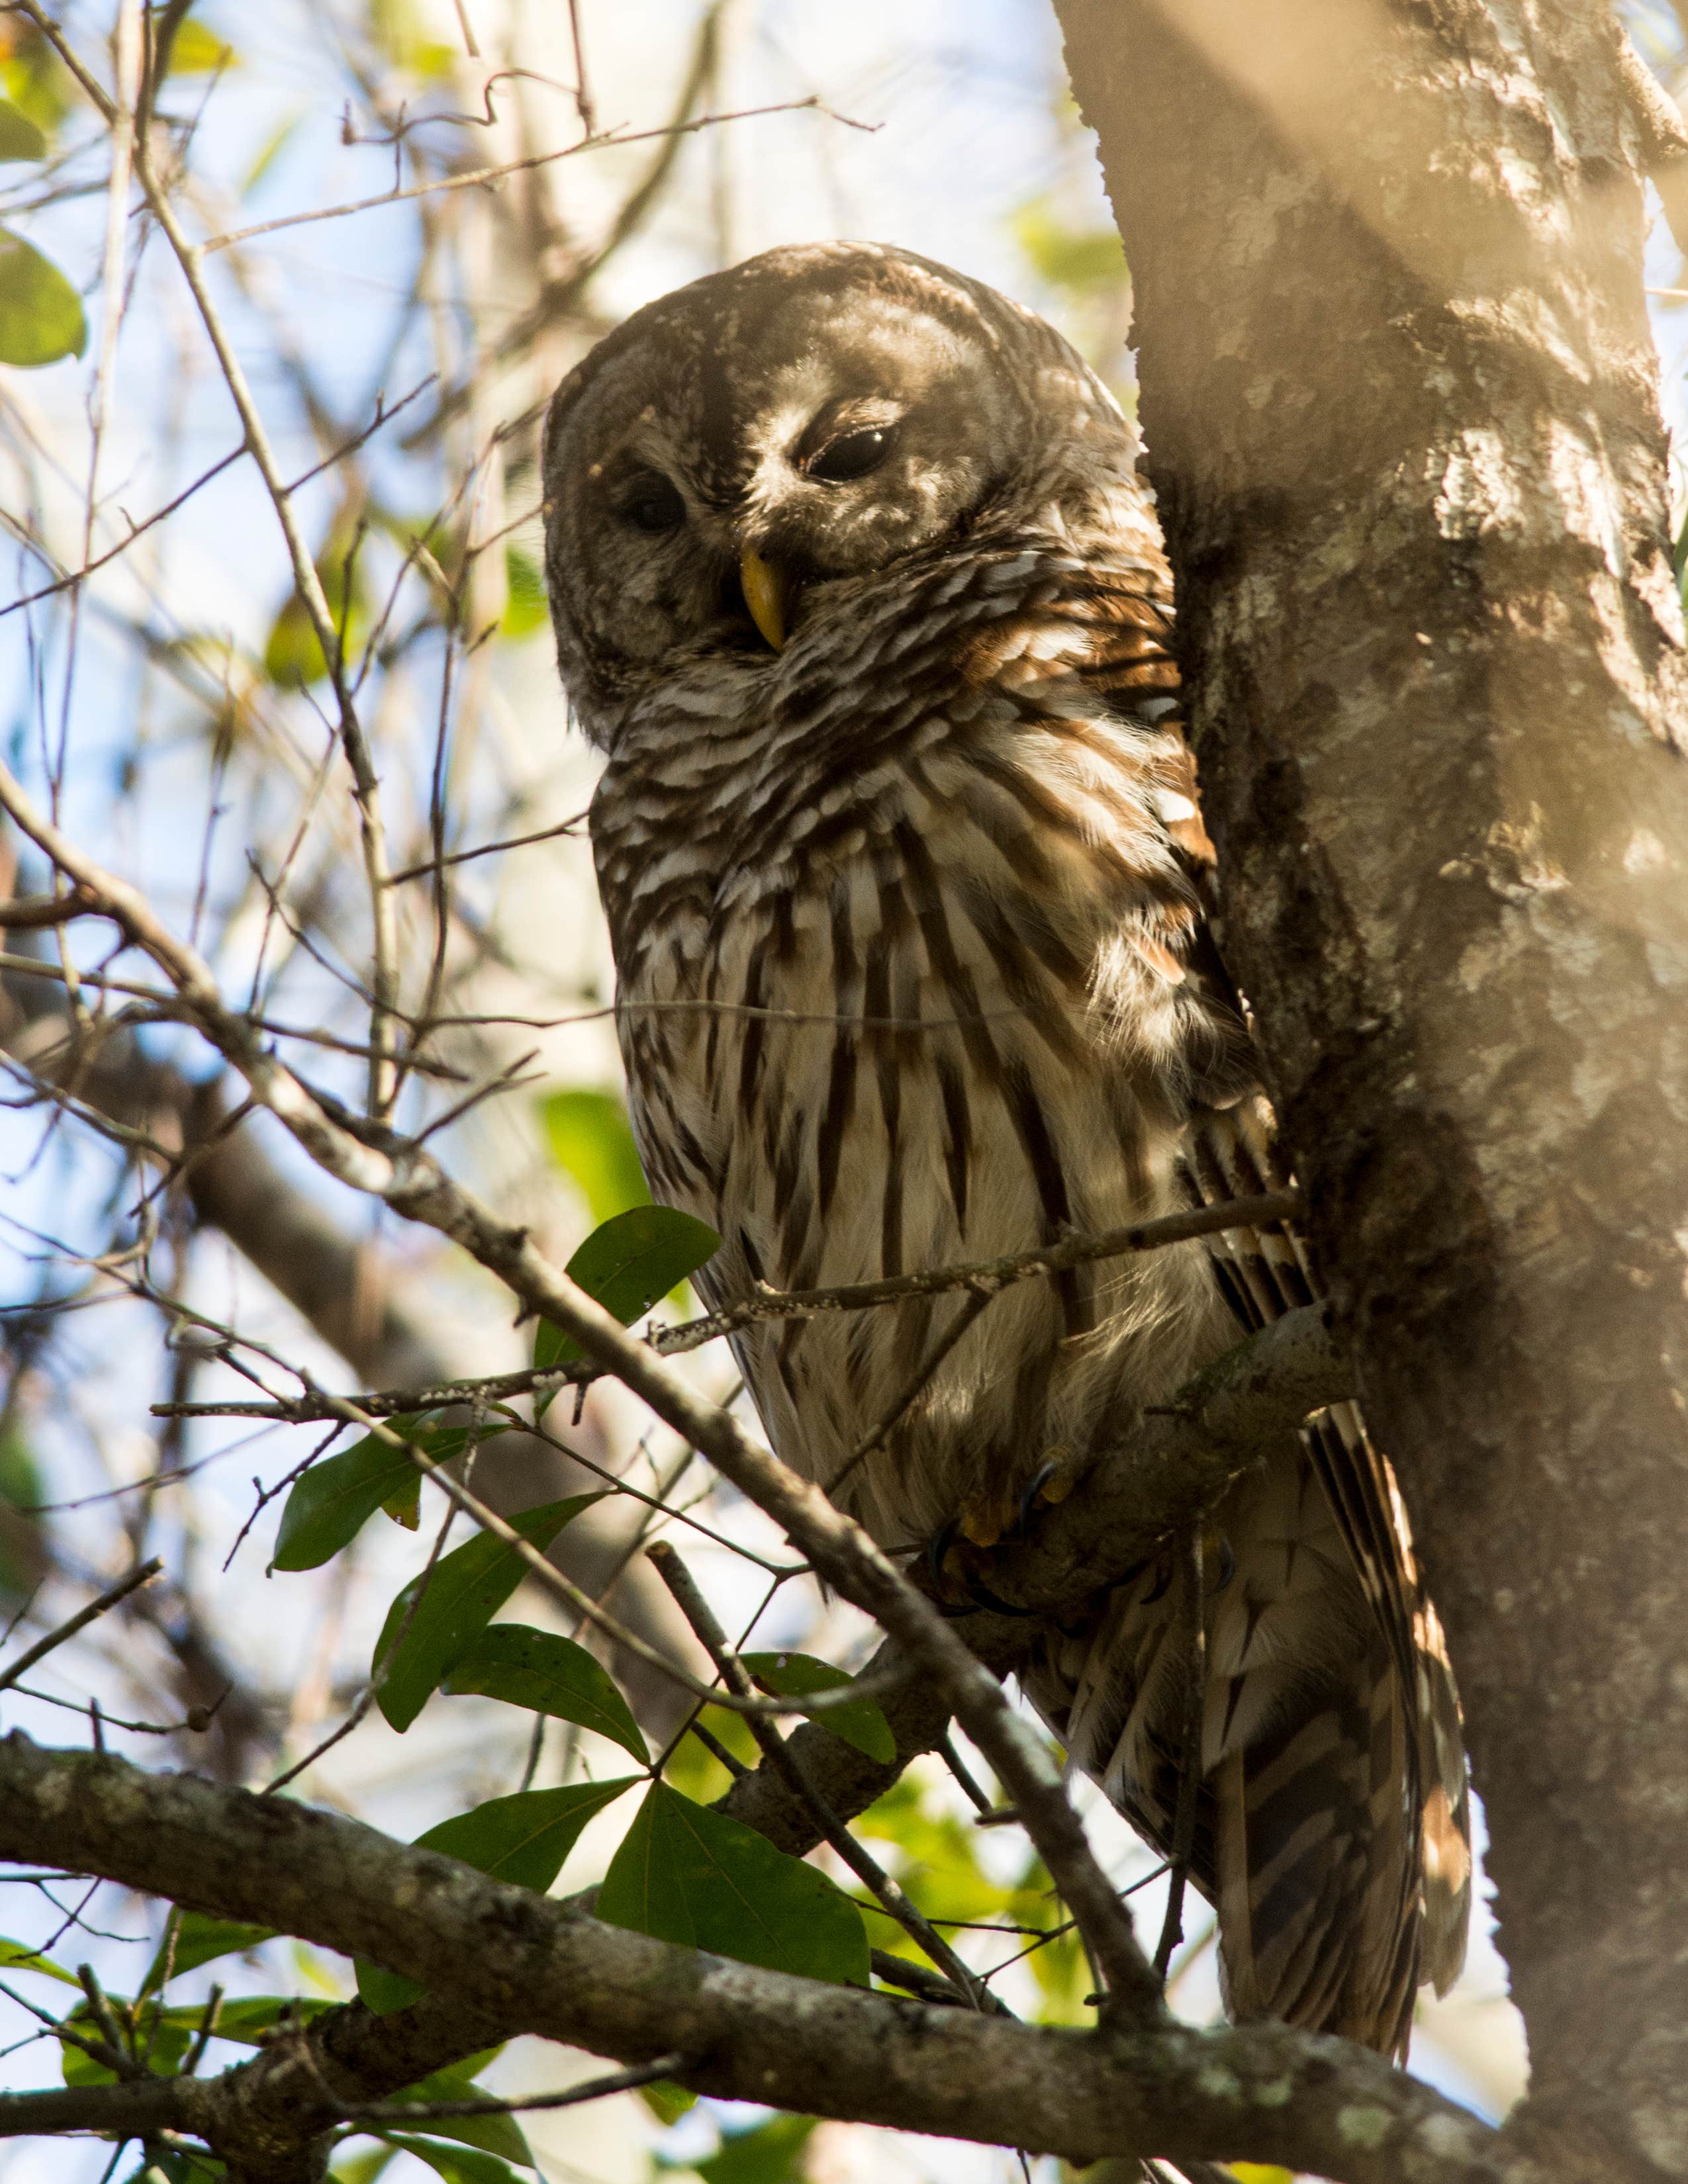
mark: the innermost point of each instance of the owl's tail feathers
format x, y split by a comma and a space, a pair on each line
1315, 1877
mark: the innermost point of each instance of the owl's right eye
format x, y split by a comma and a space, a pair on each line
654, 505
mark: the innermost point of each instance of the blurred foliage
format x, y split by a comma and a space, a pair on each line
401, 31
20, 138
292, 653
196, 51
587, 1135
23, 1553
1081, 260
935, 1855
41, 318
33, 77
769, 2152
526, 586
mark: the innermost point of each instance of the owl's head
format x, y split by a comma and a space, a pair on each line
722, 472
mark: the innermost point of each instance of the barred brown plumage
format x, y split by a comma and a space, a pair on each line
854, 583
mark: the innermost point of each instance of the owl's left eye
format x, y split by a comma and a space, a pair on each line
851, 456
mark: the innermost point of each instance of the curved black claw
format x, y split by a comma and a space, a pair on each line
986, 1598
1228, 1561
1029, 1500
1161, 1586
936, 1547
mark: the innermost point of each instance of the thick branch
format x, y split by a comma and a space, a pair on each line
518, 1960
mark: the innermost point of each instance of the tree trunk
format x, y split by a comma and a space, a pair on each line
1400, 403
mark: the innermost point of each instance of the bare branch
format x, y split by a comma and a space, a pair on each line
515, 1960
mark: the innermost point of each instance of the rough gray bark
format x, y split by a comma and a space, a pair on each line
1399, 403
515, 1960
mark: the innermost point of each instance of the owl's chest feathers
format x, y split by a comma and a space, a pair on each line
908, 1003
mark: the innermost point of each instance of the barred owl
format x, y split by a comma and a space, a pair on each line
855, 586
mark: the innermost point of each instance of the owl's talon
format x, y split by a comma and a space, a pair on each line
1228, 1560
1161, 1586
986, 1598
936, 1547
1029, 1500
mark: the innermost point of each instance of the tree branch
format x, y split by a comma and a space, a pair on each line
517, 1960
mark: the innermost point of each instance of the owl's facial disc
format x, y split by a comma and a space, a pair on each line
725, 471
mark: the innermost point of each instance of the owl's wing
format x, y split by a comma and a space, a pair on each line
1344, 1829
1332, 1823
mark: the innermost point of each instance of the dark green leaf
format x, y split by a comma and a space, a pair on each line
797, 1675
19, 138
41, 313
172, 2166
589, 1139
522, 1839
458, 2164
769, 2153
19, 1957
493, 2134
169, 2044
197, 1941
627, 1263
547, 1674
465, 1591
526, 609
687, 1874
330, 1503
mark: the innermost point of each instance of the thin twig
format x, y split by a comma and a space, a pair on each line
698, 1613
80, 1621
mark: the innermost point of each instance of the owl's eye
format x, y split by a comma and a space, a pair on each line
851, 456
654, 504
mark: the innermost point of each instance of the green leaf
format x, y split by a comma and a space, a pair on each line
169, 2044
588, 1137
494, 2134
522, 1839
546, 1675
770, 2153
364, 2167
458, 2164
197, 1941
19, 1957
172, 2166
293, 652
465, 1591
19, 138
526, 608
797, 1675
687, 1874
330, 1504
41, 314
666, 2101
627, 1263
196, 51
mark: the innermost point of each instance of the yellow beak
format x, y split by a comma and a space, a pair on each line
765, 594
